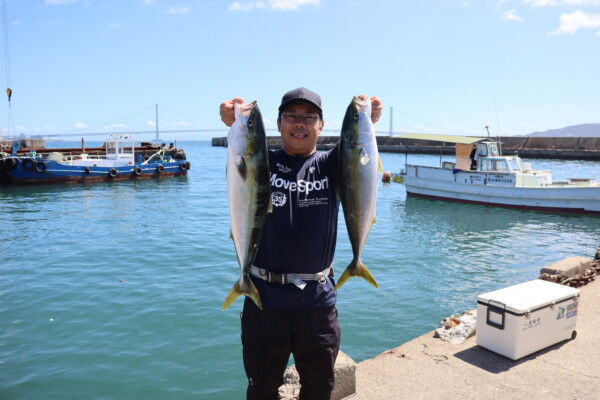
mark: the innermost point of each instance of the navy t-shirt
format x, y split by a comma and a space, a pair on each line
299, 236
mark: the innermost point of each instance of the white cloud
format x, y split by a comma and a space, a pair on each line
272, 4
291, 4
554, 3
511, 16
179, 9
151, 123
80, 125
237, 6
581, 2
541, 3
571, 23
147, 2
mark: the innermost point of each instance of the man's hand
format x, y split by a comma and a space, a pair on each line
376, 107
226, 110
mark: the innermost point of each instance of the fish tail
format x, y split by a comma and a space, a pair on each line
243, 286
356, 268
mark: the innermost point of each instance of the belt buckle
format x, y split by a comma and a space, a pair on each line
275, 278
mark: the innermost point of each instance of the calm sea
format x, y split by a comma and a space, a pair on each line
114, 290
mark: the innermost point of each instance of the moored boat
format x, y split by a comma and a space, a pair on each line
119, 162
482, 175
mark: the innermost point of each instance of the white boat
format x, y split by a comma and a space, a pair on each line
482, 175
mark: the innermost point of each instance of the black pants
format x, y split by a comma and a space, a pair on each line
270, 336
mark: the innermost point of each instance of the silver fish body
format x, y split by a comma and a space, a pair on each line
358, 168
248, 191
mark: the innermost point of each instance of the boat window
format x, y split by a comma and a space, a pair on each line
494, 165
482, 149
500, 165
111, 147
515, 165
493, 149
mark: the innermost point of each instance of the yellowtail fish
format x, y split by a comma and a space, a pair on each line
358, 168
249, 192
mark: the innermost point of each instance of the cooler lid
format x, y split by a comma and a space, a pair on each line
529, 295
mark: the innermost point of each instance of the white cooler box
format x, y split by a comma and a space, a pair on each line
519, 320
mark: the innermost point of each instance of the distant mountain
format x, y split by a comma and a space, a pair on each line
583, 130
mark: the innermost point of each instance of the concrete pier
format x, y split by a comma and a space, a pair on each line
574, 148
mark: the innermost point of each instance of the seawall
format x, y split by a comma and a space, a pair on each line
575, 148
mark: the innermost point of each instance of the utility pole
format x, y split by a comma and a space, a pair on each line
391, 121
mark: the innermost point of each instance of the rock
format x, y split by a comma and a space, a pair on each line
456, 329
568, 267
345, 380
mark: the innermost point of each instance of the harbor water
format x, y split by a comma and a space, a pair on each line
114, 290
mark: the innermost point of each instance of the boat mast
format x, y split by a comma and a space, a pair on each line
157, 139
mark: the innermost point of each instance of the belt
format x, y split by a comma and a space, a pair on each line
297, 279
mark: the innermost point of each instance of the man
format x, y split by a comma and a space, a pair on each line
299, 316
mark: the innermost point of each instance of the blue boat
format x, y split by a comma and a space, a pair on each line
119, 162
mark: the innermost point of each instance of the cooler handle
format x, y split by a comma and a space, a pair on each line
496, 310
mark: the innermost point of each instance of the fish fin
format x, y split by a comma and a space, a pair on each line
230, 234
243, 286
356, 269
242, 168
374, 220
380, 166
270, 205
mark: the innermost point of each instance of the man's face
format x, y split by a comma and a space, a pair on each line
300, 126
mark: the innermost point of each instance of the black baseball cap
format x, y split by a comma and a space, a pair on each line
301, 96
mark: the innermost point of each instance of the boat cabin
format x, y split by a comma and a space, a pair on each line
120, 147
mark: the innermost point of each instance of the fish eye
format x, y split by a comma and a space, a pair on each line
251, 123
355, 115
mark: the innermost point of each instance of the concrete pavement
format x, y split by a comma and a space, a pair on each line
429, 368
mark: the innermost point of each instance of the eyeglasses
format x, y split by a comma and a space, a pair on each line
303, 119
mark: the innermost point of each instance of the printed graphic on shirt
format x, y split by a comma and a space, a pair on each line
319, 201
301, 185
278, 199
282, 168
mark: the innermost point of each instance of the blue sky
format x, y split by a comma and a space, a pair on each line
445, 66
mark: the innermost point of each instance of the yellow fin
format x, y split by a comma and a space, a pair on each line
243, 286
356, 269
380, 166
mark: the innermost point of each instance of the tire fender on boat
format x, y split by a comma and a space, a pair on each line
41, 167
182, 166
113, 172
160, 168
28, 164
10, 163
137, 171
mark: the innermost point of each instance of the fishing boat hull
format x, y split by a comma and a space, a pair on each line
28, 171
501, 189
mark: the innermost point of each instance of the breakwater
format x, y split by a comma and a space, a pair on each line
574, 148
